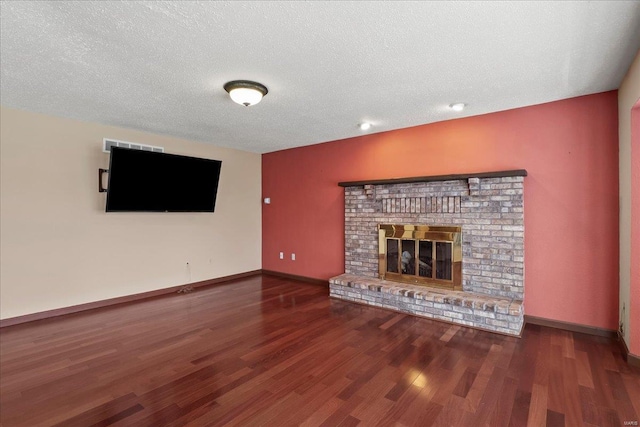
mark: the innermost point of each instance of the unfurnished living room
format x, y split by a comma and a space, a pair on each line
319, 213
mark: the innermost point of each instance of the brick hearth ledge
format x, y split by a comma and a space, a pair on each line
486, 312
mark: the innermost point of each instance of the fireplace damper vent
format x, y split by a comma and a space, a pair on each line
421, 254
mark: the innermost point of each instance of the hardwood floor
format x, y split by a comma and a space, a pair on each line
272, 351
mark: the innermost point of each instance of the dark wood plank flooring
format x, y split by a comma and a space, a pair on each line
272, 351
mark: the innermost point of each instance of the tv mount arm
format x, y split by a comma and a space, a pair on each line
101, 172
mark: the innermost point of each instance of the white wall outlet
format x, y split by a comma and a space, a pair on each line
281, 255
267, 200
293, 257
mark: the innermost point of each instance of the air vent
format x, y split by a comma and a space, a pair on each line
108, 143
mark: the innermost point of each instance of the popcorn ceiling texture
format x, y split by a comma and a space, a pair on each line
160, 66
491, 213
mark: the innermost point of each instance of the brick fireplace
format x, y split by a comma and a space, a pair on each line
488, 208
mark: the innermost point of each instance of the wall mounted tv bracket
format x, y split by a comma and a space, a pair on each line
101, 172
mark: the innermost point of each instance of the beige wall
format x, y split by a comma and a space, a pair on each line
628, 95
58, 246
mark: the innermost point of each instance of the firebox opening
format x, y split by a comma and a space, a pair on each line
421, 254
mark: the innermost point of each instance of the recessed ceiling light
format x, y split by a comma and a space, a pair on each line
364, 126
245, 92
458, 106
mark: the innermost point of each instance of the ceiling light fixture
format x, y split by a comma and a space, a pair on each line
245, 92
364, 126
457, 107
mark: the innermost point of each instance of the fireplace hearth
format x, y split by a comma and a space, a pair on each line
466, 268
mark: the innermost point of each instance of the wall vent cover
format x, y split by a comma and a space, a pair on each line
107, 143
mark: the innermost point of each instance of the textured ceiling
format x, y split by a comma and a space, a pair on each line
160, 66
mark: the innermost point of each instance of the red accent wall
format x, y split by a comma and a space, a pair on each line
634, 291
569, 148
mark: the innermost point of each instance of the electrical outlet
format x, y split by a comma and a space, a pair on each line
281, 255
293, 257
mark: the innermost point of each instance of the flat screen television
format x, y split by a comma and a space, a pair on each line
146, 181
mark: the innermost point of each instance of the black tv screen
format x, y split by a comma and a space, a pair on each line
145, 181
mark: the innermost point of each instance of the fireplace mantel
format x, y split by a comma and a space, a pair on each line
434, 178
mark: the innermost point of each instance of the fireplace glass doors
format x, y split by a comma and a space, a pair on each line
421, 254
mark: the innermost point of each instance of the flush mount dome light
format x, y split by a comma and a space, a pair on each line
458, 106
364, 126
245, 92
